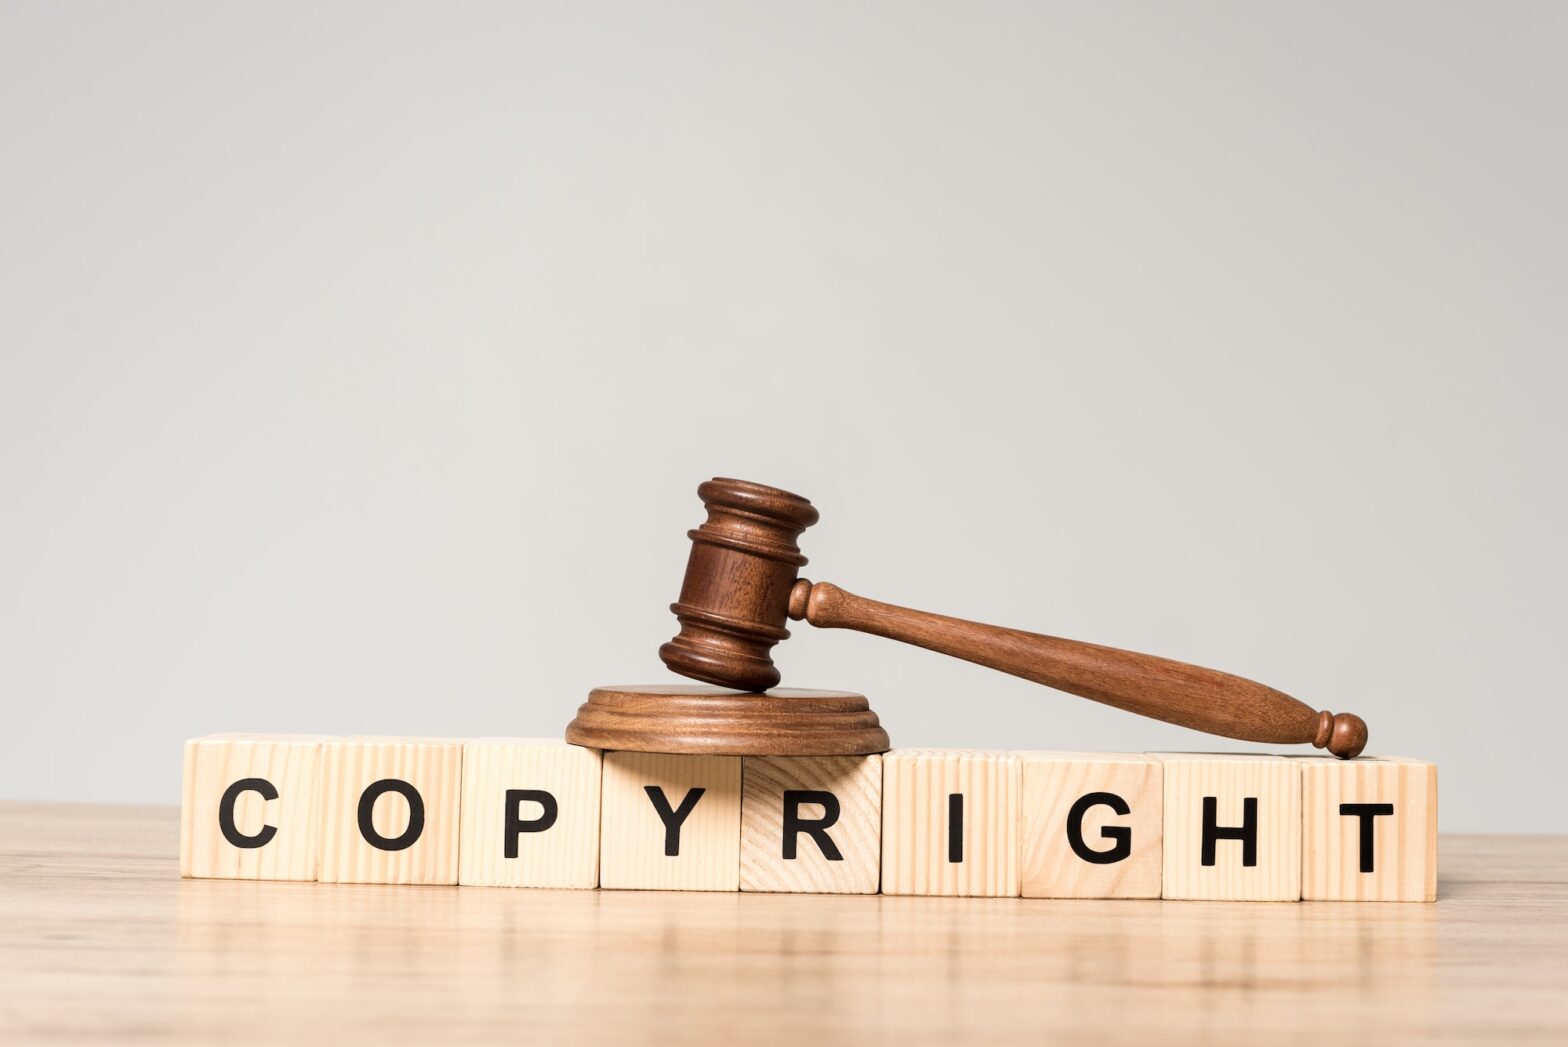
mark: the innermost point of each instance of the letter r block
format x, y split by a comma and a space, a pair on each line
1091, 825
251, 807
390, 809
1369, 829
670, 822
811, 824
1232, 827
530, 814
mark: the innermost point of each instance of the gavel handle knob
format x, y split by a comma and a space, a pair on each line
1188, 695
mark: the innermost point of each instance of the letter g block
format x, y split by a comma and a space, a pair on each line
1092, 825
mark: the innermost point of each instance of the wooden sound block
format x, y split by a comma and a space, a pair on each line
950, 822
390, 810
1369, 829
811, 824
1092, 825
251, 808
530, 814
715, 721
1232, 827
670, 822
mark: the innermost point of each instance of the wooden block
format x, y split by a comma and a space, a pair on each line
1369, 829
390, 810
1091, 825
252, 807
950, 822
530, 814
1232, 827
670, 823
811, 824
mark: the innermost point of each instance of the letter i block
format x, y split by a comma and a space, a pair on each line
1092, 825
1369, 831
530, 814
390, 810
670, 823
1232, 827
811, 824
950, 822
251, 807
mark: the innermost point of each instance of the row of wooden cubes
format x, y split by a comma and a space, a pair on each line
540, 813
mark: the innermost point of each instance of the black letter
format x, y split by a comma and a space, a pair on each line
955, 827
794, 824
672, 819
226, 812
1366, 812
515, 826
1119, 833
416, 814
1247, 834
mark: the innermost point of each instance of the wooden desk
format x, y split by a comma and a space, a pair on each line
101, 940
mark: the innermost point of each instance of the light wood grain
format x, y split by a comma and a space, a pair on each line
917, 785
633, 837
1275, 783
564, 854
1404, 843
102, 942
1052, 783
433, 767
855, 783
289, 824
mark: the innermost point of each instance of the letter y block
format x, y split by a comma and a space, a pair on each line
670, 822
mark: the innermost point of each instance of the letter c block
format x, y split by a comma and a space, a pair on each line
251, 808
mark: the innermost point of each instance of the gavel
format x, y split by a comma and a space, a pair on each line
742, 583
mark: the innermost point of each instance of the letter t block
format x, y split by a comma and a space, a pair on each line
1369, 829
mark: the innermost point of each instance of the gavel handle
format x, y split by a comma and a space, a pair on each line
1189, 695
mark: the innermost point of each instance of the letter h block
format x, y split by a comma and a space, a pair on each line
811, 824
1232, 827
390, 809
670, 822
252, 807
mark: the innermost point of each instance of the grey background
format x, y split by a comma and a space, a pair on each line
360, 361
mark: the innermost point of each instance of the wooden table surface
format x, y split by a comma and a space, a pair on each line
101, 940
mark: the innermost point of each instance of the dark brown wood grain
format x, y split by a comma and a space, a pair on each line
1176, 692
716, 721
741, 586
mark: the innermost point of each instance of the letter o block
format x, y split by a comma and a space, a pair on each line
390, 810
251, 808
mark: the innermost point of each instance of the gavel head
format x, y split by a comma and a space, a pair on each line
735, 598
